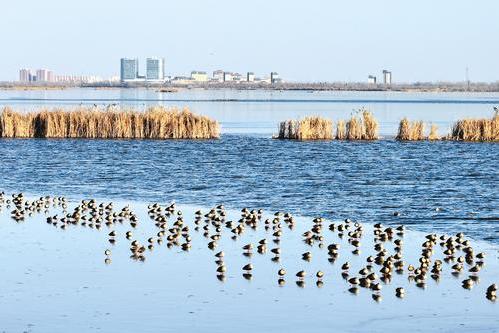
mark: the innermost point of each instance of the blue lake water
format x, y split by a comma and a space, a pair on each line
365, 180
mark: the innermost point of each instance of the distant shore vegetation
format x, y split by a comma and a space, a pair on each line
310, 86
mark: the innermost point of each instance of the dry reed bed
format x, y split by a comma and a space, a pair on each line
476, 129
154, 123
358, 127
415, 131
462, 130
309, 128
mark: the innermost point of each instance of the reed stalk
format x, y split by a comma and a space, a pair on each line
341, 130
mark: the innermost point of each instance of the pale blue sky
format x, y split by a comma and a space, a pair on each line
303, 40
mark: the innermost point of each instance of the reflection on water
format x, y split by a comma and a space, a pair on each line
54, 278
444, 186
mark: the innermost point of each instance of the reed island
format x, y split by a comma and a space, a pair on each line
156, 122
364, 126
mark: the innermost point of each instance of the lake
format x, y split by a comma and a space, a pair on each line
56, 276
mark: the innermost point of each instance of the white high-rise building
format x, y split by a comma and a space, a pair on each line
50, 76
155, 69
250, 77
129, 70
25, 75
44, 75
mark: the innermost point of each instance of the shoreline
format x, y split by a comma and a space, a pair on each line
172, 88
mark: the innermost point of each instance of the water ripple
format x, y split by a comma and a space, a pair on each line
368, 181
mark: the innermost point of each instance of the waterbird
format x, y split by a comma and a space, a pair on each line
248, 267
276, 251
307, 256
467, 283
354, 281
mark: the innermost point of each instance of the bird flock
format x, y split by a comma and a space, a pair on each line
456, 252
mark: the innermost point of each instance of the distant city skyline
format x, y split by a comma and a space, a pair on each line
303, 41
130, 72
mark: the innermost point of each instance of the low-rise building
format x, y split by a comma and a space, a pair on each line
237, 77
250, 77
181, 80
218, 75
199, 76
228, 76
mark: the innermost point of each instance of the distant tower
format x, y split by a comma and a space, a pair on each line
467, 79
387, 77
371, 79
274, 77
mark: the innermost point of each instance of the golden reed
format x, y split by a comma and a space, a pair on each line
363, 127
309, 128
462, 130
89, 122
412, 130
476, 129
